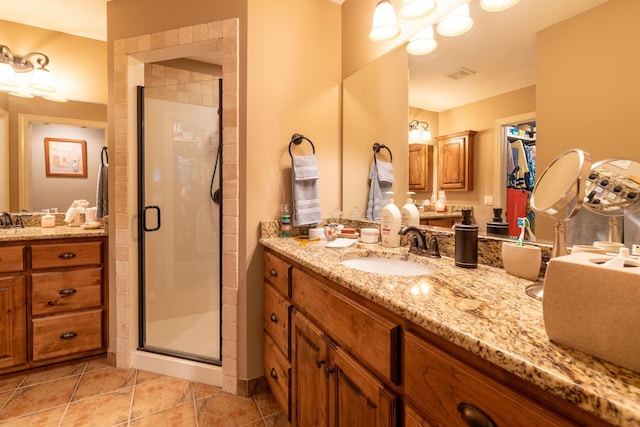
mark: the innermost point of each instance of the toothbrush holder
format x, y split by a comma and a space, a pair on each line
521, 261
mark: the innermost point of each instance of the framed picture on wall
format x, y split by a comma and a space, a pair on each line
65, 157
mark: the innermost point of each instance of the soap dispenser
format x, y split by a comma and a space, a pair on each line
466, 242
410, 214
47, 220
390, 219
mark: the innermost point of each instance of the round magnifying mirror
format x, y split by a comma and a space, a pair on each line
559, 192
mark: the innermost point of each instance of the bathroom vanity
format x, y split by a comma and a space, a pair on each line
457, 347
53, 295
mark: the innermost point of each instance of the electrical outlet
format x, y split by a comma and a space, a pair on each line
488, 200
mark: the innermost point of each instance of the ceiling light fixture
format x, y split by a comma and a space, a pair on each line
497, 5
456, 22
423, 42
384, 27
21, 77
418, 135
414, 9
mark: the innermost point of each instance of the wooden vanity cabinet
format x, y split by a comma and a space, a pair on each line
455, 161
420, 167
13, 308
60, 301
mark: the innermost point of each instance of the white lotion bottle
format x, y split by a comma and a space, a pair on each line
390, 219
47, 220
409, 213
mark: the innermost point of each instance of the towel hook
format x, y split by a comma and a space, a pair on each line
297, 139
104, 156
377, 147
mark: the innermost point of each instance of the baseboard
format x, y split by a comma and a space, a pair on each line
249, 388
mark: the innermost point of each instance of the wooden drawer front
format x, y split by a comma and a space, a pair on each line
66, 255
55, 292
276, 317
373, 340
277, 272
66, 334
437, 384
277, 371
11, 259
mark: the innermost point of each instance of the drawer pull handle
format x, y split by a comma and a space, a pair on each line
328, 371
319, 363
273, 374
68, 291
273, 272
68, 335
273, 318
474, 417
67, 255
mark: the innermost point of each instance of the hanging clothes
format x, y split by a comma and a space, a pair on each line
102, 191
517, 206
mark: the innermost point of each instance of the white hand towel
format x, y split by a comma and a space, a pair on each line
306, 195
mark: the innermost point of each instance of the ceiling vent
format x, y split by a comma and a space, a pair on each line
460, 73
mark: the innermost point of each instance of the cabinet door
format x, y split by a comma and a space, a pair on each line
357, 398
13, 321
309, 376
420, 163
455, 161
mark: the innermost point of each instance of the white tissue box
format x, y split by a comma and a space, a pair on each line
593, 308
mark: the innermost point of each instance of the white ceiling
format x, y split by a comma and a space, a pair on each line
500, 47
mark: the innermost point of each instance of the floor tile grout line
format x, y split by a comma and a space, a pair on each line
133, 395
193, 400
66, 409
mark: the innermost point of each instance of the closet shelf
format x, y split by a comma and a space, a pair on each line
521, 138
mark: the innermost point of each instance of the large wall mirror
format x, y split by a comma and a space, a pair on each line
513, 73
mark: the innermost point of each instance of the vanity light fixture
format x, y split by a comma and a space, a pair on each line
384, 27
19, 76
419, 132
497, 5
456, 22
413, 9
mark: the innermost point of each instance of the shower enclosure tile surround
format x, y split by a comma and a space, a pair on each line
125, 183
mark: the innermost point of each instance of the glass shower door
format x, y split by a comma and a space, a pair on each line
180, 233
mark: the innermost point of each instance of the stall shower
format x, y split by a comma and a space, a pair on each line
179, 215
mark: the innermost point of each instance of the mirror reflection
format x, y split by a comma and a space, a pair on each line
565, 115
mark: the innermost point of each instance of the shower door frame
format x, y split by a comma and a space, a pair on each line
141, 237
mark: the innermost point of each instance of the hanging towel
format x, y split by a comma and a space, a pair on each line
306, 195
102, 192
516, 208
381, 177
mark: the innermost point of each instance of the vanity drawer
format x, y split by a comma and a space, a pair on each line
277, 311
11, 259
65, 334
277, 371
55, 292
373, 340
437, 384
66, 255
277, 272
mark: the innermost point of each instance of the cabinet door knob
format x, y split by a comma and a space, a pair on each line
68, 291
474, 417
273, 272
67, 255
273, 318
273, 373
319, 363
68, 335
328, 371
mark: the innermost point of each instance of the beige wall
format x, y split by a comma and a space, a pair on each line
588, 86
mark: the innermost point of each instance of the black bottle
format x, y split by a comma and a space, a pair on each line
466, 249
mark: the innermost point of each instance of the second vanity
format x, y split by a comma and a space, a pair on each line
53, 295
457, 347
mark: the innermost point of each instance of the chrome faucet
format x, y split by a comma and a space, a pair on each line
418, 243
5, 220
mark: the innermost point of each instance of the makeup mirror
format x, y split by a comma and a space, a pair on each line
559, 193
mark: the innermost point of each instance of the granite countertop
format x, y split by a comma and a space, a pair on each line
434, 214
57, 232
486, 312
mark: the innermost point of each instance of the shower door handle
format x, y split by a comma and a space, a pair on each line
144, 218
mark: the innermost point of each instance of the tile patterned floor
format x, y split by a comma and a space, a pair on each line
95, 394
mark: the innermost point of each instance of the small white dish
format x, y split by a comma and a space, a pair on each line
341, 243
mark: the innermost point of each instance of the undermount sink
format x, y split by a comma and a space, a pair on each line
394, 267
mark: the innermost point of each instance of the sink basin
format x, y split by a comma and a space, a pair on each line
394, 267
